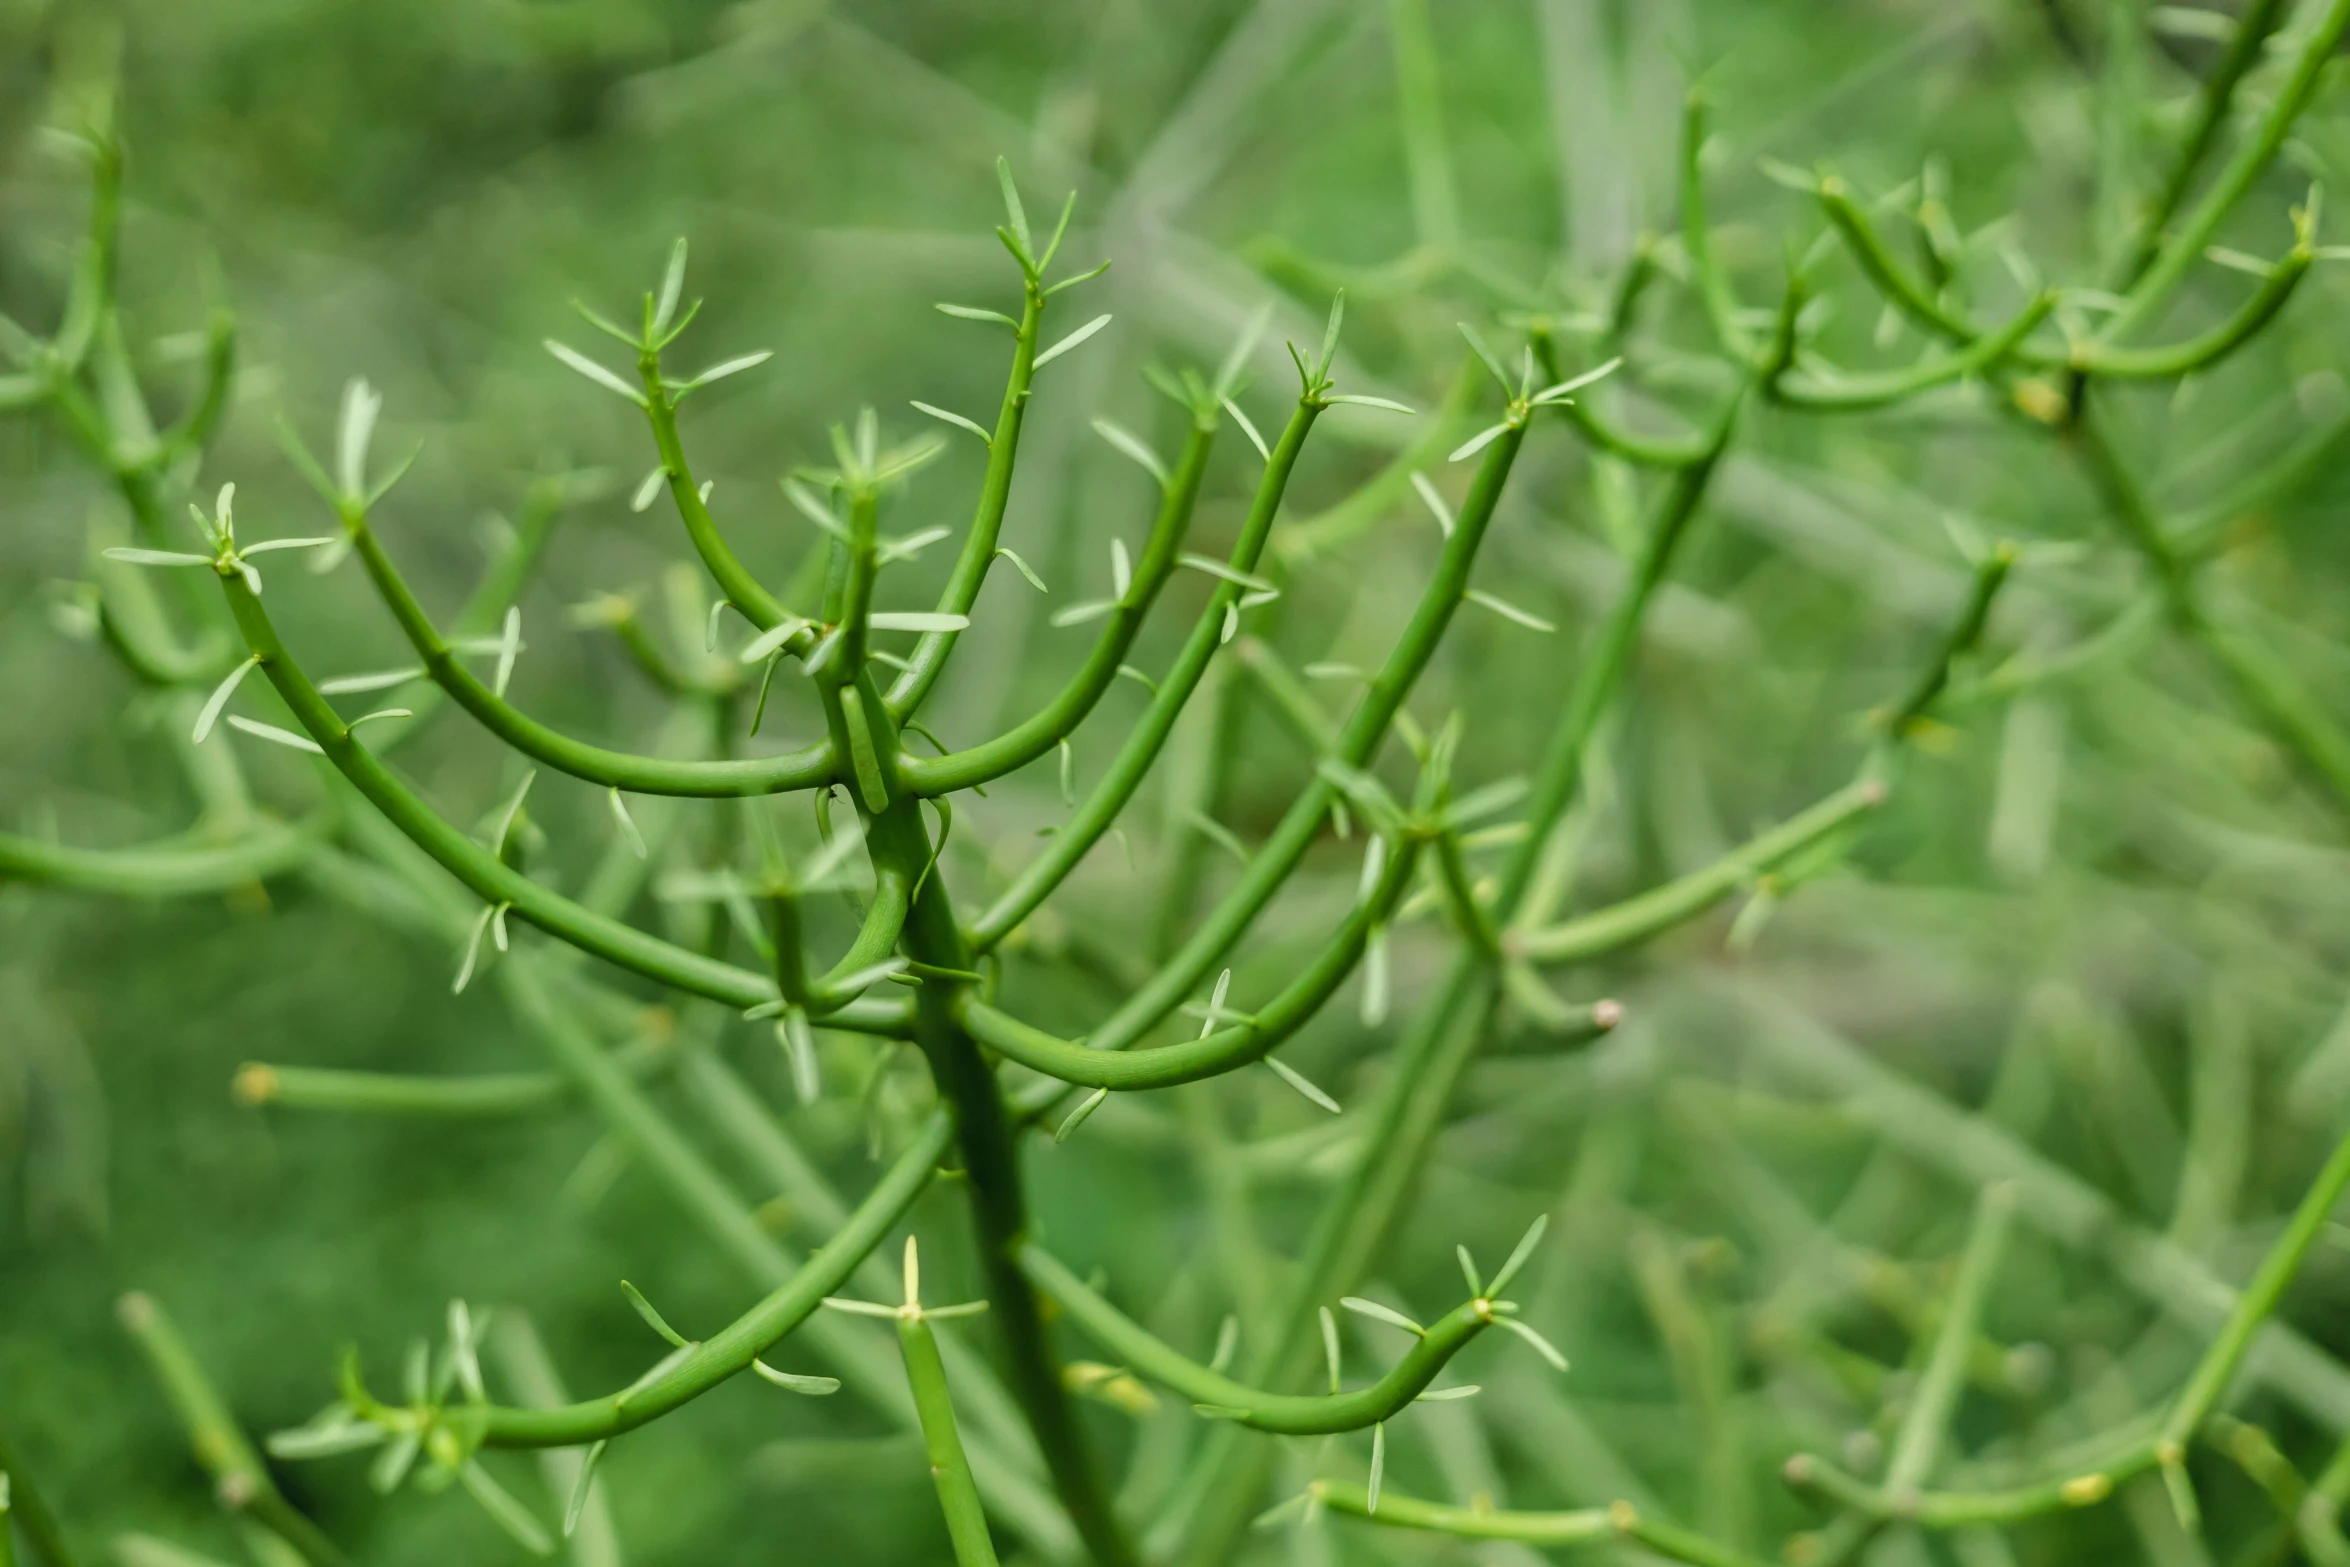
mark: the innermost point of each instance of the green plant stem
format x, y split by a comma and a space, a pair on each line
1637, 919
183, 867
1357, 741
1225, 1399
2090, 357
807, 768
1402, 1123
484, 872
988, 1138
1317, 535
1917, 1444
1858, 393
1619, 1521
1964, 633
1100, 809
2260, 680
30, 1514
2186, 244
742, 590
1225, 1049
1041, 731
929, 657
239, 1477
389, 1093
950, 1470
1713, 286
730, 1351
2254, 24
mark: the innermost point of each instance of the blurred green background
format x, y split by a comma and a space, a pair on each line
2101, 925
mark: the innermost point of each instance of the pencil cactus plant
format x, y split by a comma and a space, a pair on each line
1435, 831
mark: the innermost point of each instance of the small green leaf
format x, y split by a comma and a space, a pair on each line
596, 372
956, 419
653, 1318
975, 313
1071, 341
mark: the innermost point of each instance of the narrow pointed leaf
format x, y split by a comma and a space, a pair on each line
1069, 342
595, 372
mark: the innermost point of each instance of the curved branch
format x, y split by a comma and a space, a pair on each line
1092, 819
1582, 1526
1043, 730
731, 1350
1224, 1050
1288, 1414
171, 868
2094, 357
743, 590
1651, 913
1365, 727
806, 768
931, 650
1856, 393
489, 877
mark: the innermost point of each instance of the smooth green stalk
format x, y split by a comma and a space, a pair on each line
1713, 286
1046, 728
1617, 1522
1212, 1055
239, 1477
2265, 685
2186, 244
760, 607
1583, 1526
1637, 919
2254, 24
1100, 809
1357, 741
1850, 393
2208, 348
988, 1137
1919, 1441
388, 1093
2258, 1301
182, 867
1223, 1398
30, 1513
1959, 640
950, 1470
2094, 357
929, 657
730, 1351
807, 768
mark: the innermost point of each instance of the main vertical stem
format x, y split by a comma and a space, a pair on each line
999, 1207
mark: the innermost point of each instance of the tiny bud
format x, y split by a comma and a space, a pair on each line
1624, 1516
1606, 1014
2041, 401
136, 1311
1798, 1470
254, 1084
236, 1491
2087, 1490
1873, 792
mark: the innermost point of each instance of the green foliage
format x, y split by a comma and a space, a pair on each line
1829, 836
